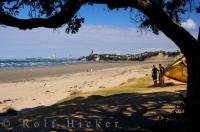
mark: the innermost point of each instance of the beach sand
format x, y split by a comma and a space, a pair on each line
33, 87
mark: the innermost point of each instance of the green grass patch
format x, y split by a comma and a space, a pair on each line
131, 86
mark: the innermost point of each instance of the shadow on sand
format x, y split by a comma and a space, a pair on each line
127, 111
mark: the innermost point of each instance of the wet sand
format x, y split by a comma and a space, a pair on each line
24, 74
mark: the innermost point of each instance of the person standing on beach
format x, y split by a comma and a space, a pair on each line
154, 75
161, 75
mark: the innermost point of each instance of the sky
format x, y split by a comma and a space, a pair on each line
104, 31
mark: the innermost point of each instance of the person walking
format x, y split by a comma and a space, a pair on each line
161, 75
155, 75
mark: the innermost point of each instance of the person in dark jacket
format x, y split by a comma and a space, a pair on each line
155, 75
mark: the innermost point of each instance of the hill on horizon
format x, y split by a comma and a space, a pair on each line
145, 56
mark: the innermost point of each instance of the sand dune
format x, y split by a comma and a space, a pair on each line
161, 57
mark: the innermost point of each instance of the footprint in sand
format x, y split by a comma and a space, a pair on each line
102, 87
7, 100
75, 86
49, 92
46, 85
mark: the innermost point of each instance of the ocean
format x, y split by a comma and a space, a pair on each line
22, 63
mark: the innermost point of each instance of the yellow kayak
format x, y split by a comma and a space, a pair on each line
177, 70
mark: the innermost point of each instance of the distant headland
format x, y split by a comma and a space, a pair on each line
151, 55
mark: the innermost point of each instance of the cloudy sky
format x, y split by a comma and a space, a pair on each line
103, 31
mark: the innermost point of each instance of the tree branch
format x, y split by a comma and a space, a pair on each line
199, 36
55, 21
67, 12
182, 38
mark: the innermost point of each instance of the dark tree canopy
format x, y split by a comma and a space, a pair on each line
56, 13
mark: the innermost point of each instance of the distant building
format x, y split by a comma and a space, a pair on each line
83, 58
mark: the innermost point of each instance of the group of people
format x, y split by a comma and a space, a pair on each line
158, 75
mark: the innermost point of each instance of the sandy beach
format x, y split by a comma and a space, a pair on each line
88, 92
32, 87
28, 88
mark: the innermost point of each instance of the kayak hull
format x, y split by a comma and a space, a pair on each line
177, 70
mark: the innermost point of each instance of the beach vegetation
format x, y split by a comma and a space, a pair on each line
131, 86
129, 57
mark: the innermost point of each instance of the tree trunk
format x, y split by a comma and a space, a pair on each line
193, 92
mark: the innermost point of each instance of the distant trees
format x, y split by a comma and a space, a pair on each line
129, 57
158, 15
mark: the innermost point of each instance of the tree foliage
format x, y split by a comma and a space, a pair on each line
57, 13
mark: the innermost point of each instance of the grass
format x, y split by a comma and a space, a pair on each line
131, 86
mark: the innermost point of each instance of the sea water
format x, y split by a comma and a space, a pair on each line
21, 63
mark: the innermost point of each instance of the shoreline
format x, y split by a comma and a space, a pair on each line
30, 73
